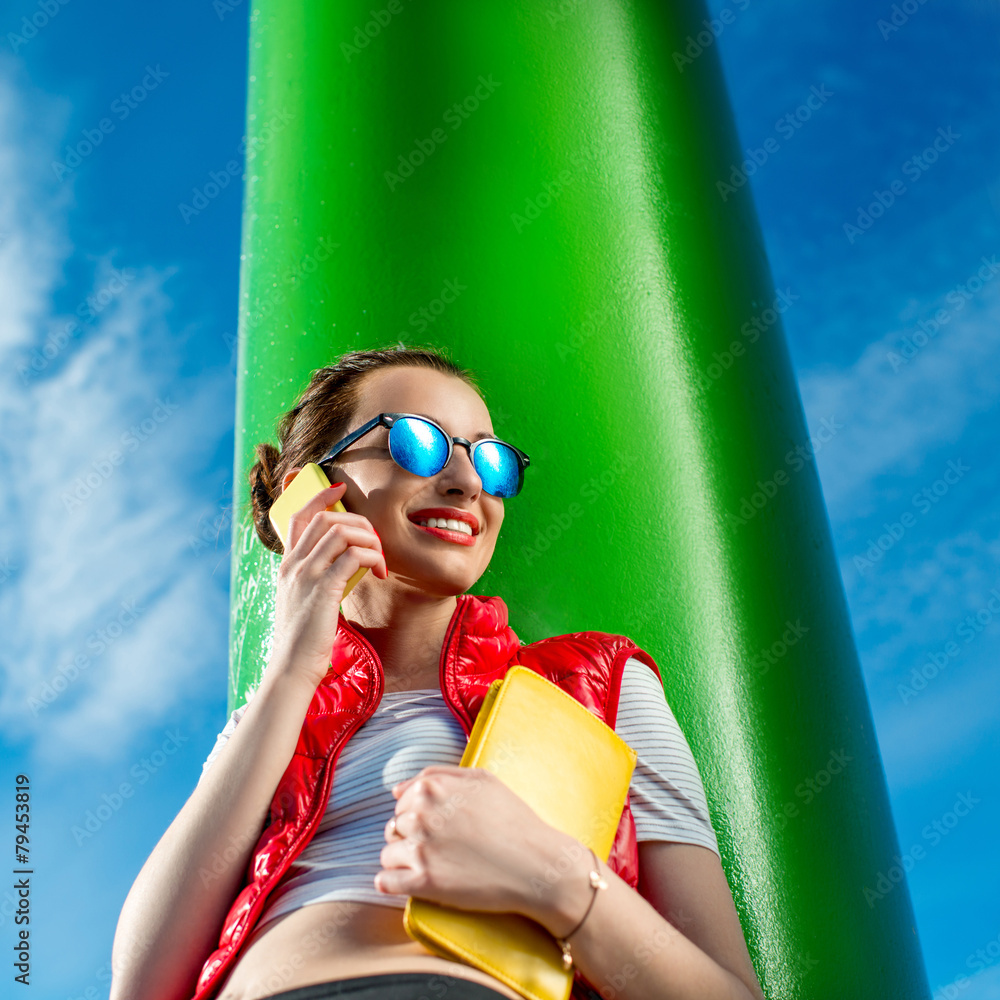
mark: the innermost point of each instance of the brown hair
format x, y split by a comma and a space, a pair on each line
321, 415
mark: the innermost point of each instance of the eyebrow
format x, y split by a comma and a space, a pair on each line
478, 437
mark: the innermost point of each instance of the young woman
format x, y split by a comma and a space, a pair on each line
334, 793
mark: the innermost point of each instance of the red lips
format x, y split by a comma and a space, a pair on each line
447, 512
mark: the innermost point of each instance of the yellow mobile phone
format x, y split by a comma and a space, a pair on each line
309, 481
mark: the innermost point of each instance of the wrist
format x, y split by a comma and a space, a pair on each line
562, 891
293, 674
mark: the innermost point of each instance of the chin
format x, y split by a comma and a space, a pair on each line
443, 585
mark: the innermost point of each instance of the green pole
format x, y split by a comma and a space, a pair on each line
535, 187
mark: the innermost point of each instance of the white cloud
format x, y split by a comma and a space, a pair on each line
925, 600
894, 418
110, 619
984, 985
942, 727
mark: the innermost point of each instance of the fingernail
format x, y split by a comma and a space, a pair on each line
333, 486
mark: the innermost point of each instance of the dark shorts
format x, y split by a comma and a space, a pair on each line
394, 986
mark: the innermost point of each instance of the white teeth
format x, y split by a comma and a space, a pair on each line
447, 522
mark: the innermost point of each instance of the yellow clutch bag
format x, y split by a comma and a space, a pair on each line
574, 771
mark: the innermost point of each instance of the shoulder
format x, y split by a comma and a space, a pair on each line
667, 795
642, 699
605, 648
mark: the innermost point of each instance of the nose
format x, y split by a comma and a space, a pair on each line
459, 475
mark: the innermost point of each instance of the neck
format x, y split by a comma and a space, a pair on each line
406, 630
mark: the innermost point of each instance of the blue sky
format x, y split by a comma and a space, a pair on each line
118, 430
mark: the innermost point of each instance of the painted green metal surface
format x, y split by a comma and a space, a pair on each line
534, 186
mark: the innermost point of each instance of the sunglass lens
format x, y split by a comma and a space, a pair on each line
419, 447
498, 468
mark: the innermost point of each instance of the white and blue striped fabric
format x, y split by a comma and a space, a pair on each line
411, 730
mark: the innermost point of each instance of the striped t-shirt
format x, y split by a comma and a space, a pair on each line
411, 730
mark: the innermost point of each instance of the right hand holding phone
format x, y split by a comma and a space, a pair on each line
325, 548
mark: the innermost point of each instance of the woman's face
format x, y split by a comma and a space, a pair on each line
392, 498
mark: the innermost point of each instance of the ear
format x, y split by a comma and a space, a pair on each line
289, 476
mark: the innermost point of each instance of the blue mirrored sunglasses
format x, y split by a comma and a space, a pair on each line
422, 447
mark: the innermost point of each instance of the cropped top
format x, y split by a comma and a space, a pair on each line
414, 729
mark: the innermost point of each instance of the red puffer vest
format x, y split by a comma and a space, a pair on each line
479, 647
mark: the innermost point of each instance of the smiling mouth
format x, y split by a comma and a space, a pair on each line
448, 534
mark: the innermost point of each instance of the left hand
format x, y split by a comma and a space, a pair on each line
464, 839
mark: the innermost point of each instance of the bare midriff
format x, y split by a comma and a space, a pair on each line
323, 942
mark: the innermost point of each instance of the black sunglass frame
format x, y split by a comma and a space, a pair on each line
388, 419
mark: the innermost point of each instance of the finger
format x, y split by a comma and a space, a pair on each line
352, 559
415, 796
319, 540
398, 790
450, 769
400, 854
337, 537
323, 500
320, 521
392, 831
400, 881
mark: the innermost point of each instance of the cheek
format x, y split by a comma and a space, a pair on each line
496, 518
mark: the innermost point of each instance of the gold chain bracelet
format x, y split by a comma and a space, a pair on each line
596, 883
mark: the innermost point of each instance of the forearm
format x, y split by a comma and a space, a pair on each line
625, 948
174, 911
